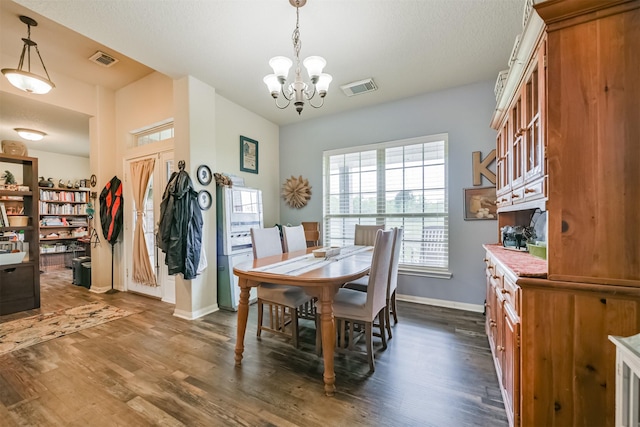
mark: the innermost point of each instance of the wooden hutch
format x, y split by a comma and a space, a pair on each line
568, 122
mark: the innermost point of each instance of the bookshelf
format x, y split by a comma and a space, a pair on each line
63, 222
19, 232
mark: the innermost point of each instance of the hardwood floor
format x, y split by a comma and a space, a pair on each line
152, 368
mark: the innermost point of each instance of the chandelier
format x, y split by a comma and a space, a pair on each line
298, 91
26, 80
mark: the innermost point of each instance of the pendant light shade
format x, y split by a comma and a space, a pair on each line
24, 79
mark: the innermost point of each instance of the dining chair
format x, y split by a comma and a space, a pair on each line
392, 282
311, 233
365, 235
362, 308
293, 238
284, 301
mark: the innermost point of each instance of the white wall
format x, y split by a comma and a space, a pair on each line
233, 121
464, 113
61, 166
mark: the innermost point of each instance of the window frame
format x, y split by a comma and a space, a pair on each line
382, 217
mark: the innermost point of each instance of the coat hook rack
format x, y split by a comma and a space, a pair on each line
181, 165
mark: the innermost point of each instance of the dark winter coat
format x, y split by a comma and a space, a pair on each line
180, 227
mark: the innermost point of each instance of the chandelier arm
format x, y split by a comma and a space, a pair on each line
310, 96
317, 106
284, 93
284, 106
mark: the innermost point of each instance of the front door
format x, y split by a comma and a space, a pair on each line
166, 284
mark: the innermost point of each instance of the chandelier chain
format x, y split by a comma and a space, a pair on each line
297, 43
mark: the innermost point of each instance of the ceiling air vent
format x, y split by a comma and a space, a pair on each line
103, 59
356, 88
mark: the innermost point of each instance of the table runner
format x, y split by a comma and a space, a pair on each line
305, 263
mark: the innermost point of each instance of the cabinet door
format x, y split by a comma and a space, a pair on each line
511, 362
533, 118
517, 145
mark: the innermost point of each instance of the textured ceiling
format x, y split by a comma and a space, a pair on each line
408, 47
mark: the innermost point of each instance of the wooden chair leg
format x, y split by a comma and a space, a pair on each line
352, 337
393, 307
383, 335
387, 318
369, 344
260, 311
294, 327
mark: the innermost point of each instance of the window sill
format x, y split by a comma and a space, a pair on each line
425, 272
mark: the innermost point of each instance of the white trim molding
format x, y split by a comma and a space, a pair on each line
477, 308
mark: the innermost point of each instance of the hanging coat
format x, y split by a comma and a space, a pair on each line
111, 210
180, 226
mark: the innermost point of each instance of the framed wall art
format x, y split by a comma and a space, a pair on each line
480, 203
204, 175
248, 154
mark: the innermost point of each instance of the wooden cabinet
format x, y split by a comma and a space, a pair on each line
503, 330
20, 280
568, 143
549, 341
63, 220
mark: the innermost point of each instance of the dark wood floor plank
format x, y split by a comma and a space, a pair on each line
152, 368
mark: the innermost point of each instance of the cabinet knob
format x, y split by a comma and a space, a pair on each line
504, 291
529, 190
494, 276
501, 348
515, 196
503, 200
486, 259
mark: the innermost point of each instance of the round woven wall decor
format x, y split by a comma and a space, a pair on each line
296, 192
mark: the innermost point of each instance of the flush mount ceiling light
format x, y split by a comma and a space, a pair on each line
30, 134
26, 80
298, 90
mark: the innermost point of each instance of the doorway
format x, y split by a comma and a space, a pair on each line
165, 289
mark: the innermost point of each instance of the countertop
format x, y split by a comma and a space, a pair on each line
522, 264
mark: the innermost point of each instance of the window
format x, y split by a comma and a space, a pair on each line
398, 184
155, 134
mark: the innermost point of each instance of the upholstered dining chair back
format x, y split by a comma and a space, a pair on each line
293, 238
265, 242
395, 261
379, 273
365, 235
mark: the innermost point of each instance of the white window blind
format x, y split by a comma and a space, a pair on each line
397, 184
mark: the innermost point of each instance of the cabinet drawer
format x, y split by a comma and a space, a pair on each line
511, 293
517, 195
503, 200
16, 283
535, 190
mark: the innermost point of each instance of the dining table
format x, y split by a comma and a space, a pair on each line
320, 277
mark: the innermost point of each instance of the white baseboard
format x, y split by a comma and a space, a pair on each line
192, 315
442, 303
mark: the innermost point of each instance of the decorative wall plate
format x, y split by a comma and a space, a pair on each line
204, 200
296, 192
204, 175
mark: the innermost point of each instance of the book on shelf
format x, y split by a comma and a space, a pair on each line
5, 219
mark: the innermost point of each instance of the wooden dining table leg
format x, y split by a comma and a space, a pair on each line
328, 328
243, 315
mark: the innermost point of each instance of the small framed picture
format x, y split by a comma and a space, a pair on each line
204, 175
480, 203
248, 154
204, 200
